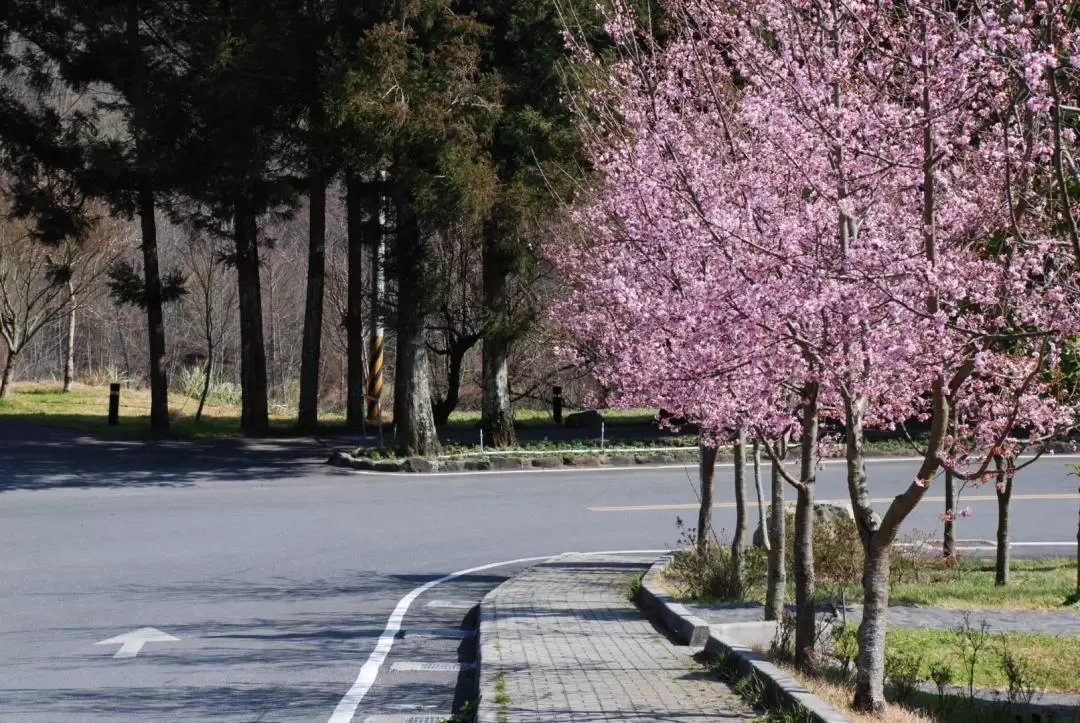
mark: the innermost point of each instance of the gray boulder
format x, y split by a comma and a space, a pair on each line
825, 513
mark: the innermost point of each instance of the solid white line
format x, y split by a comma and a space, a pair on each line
346, 708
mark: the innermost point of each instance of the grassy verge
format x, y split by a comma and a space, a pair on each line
1035, 585
916, 578
1054, 659
541, 418
86, 408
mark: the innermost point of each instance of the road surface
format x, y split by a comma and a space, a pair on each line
235, 582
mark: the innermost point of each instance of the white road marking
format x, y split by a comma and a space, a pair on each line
415, 667
346, 708
452, 604
131, 643
451, 633
399, 718
966, 548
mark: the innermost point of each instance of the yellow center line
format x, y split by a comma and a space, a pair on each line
877, 501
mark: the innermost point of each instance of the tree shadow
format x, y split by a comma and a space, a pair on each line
34, 457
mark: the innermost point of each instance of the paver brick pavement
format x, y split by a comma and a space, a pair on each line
561, 642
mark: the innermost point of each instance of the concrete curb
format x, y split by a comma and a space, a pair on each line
487, 649
688, 628
728, 643
537, 462
779, 686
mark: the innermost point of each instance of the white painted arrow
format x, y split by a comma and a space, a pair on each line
131, 643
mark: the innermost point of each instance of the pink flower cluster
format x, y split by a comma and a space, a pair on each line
951, 515
847, 198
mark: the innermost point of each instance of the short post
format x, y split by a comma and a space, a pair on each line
556, 404
114, 404
601, 436
378, 408
481, 440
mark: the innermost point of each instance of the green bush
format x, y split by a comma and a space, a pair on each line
707, 572
190, 384
838, 552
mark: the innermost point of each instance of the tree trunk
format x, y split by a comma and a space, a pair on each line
777, 585
414, 421
707, 474
870, 662
948, 539
497, 413
358, 210
207, 377
804, 530
416, 434
307, 417
9, 372
69, 340
254, 414
155, 317
759, 493
738, 539
155, 321
1078, 551
805, 618
400, 375
448, 403
1003, 488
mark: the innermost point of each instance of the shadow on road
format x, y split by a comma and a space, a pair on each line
37, 458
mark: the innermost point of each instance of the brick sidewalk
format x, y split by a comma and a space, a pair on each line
562, 643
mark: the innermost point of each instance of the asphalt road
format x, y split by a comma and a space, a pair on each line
278, 574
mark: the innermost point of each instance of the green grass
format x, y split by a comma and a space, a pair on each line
1055, 659
1035, 585
86, 408
541, 418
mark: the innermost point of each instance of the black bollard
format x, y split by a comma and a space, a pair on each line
556, 404
114, 404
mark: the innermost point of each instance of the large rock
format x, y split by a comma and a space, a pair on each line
419, 464
825, 513
583, 420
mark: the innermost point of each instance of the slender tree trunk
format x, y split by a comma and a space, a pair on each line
497, 413
400, 375
759, 493
358, 210
208, 333
207, 380
870, 662
254, 415
777, 585
805, 622
1078, 550
9, 373
448, 403
738, 539
948, 539
805, 614
1003, 488
307, 418
415, 423
69, 340
707, 474
155, 319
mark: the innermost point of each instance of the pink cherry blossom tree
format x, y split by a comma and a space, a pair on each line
837, 203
